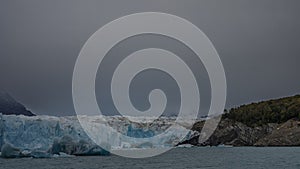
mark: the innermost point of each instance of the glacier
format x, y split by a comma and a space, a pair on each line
40, 133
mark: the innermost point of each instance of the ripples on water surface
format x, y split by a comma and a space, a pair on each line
203, 157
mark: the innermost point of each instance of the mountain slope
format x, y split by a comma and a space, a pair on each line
267, 123
9, 105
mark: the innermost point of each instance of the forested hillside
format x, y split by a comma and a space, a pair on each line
272, 111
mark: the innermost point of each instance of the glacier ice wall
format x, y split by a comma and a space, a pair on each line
39, 132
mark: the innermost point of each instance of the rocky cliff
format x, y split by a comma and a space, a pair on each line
232, 133
286, 134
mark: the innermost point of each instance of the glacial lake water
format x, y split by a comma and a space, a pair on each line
178, 158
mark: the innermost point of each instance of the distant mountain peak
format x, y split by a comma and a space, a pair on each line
8, 106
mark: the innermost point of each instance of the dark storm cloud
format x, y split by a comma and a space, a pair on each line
258, 42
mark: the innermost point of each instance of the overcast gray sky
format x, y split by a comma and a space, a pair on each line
257, 40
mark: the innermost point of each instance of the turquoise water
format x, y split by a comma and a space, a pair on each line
202, 157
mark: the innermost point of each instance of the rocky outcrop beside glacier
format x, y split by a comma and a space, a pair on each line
286, 134
233, 133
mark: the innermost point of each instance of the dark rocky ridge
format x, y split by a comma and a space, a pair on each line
234, 133
9, 105
287, 134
